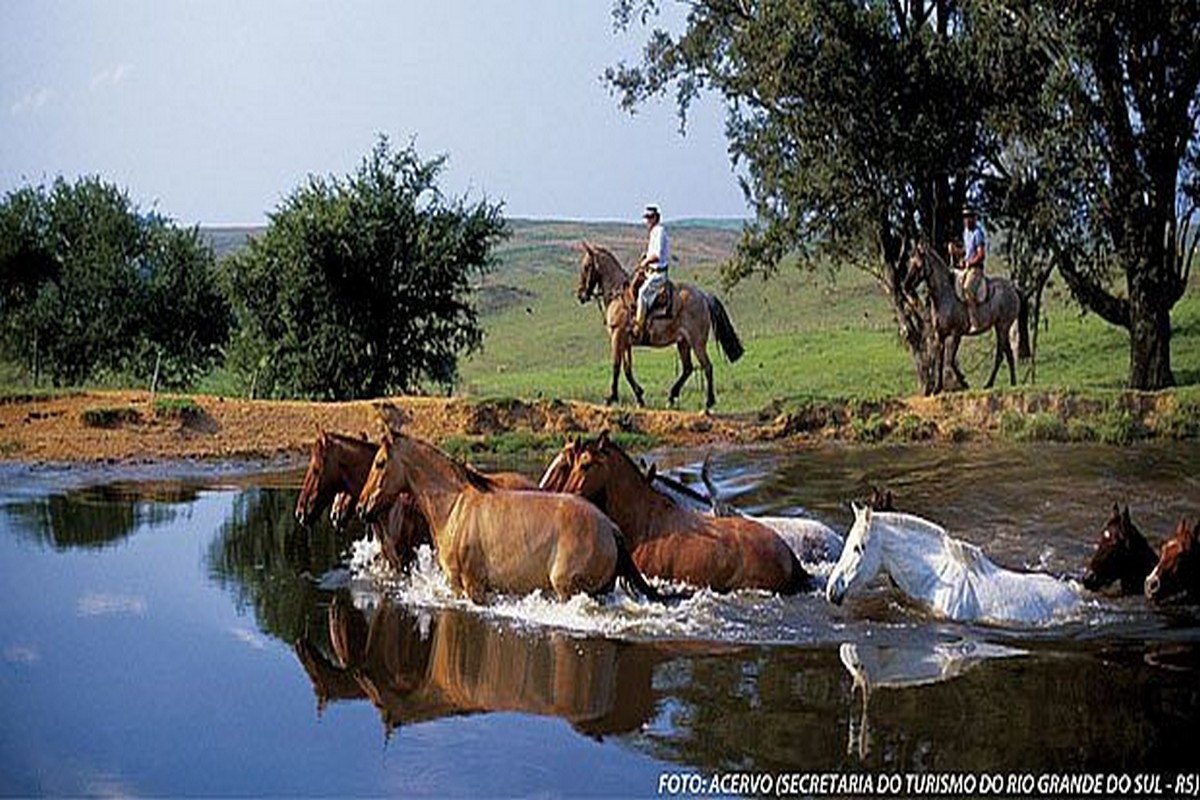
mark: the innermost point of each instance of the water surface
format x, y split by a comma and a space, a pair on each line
182, 636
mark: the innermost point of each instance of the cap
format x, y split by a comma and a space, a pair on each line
652, 211
968, 211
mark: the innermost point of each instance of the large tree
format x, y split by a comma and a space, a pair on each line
1102, 170
92, 287
859, 126
361, 286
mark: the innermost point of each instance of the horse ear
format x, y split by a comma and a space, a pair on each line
652, 473
587, 248
602, 441
1125, 516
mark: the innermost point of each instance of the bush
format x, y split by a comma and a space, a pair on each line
361, 287
109, 416
184, 409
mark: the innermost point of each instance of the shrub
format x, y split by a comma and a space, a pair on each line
110, 416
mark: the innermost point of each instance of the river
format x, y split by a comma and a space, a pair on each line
175, 633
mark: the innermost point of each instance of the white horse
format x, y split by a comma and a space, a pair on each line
954, 579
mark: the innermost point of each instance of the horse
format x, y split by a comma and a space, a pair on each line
1122, 554
336, 463
690, 316
1177, 572
952, 578
1003, 306
489, 539
673, 542
811, 540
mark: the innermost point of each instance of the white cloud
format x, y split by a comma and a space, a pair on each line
22, 654
111, 76
97, 604
249, 637
32, 101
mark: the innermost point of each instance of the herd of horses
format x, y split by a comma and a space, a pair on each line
597, 516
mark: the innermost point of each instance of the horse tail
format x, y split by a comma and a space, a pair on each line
627, 570
726, 335
1023, 341
801, 581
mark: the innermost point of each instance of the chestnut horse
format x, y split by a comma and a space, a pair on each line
669, 541
340, 464
336, 463
1122, 554
692, 313
1177, 573
490, 539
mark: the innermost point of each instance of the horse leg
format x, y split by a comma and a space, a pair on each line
638, 392
1011, 358
618, 351
701, 349
685, 359
939, 362
955, 341
1001, 347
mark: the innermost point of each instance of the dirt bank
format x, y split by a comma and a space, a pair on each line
133, 426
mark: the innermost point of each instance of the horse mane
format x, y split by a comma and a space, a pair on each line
604, 443
347, 438
474, 477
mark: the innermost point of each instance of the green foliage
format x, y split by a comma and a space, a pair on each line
361, 286
183, 409
90, 286
1119, 426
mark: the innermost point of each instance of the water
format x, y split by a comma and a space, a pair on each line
182, 636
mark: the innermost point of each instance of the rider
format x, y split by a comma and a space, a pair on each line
971, 256
654, 265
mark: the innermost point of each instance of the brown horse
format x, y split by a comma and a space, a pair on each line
1122, 554
490, 539
1002, 307
669, 541
1177, 572
686, 324
336, 463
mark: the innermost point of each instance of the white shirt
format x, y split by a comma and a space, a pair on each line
658, 246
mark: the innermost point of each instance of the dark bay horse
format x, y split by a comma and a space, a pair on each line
1177, 573
669, 541
1002, 308
490, 539
692, 314
1122, 554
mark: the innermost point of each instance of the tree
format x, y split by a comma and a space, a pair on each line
89, 287
860, 126
361, 285
1105, 163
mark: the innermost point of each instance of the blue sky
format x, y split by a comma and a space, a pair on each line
212, 111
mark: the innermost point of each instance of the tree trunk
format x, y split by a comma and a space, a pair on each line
1149, 338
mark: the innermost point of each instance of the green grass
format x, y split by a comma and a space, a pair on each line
806, 336
110, 416
183, 409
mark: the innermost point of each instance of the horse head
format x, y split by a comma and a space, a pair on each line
1117, 552
1177, 571
384, 482
861, 558
591, 469
559, 469
319, 482
589, 274
917, 266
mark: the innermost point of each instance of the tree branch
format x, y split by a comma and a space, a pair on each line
1113, 310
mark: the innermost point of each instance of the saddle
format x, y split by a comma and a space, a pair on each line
660, 307
972, 283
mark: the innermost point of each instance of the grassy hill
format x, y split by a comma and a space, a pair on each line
807, 334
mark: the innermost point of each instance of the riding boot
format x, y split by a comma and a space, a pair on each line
972, 316
639, 328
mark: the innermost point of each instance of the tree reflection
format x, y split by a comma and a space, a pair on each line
271, 565
94, 517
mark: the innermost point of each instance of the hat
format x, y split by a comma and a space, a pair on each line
652, 211
968, 211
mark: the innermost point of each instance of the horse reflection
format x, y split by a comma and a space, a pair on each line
416, 666
873, 667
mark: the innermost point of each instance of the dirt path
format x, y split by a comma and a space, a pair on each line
64, 428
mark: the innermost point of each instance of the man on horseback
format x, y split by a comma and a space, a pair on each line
653, 265
970, 257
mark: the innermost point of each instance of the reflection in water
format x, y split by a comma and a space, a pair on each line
98, 516
271, 564
420, 665
873, 667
